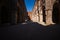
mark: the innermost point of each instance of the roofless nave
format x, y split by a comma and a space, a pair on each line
44, 12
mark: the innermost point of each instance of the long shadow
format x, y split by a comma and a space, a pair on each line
30, 31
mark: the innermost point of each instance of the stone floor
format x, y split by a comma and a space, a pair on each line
29, 31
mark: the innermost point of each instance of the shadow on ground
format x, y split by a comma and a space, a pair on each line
30, 31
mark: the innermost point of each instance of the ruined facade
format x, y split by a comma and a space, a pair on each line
43, 12
12, 11
37, 13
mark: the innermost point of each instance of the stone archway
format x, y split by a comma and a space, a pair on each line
55, 12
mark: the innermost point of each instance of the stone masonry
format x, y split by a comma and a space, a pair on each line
43, 10
12, 11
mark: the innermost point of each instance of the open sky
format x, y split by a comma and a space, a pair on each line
29, 5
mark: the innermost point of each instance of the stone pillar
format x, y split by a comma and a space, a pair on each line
20, 16
23, 16
40, 11
19, 12
41, 16
13, 17
0, 14
38, 7
48, 11
48, 17
12, 7
22, 11
59, 13
37, 16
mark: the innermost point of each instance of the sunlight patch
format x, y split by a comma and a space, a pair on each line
24, 23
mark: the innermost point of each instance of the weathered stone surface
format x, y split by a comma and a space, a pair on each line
38, 12
45, 14
12, 11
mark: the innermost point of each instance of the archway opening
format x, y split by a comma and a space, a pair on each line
56, 13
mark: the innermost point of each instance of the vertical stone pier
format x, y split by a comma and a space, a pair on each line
12, 7
40, 9
13, 17
0, 14
48, 11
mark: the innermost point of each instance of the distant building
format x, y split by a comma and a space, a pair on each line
30, 15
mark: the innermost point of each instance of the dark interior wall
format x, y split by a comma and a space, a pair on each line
6, 9
4, 15
11, 13
12, 7
23, 11
8, 6
3, 11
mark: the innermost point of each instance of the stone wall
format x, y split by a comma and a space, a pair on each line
37, 13
12, 11
43, 11
48, 11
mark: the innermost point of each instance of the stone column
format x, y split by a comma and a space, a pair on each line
0, 14
48, 11
40, 11
23, 16
41, 16
37, 16
38, 7
1, 3
59, 13
19, 12
48, 17
20, 16
13, 17
12, 6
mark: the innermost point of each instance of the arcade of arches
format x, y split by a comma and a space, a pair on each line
46, 12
